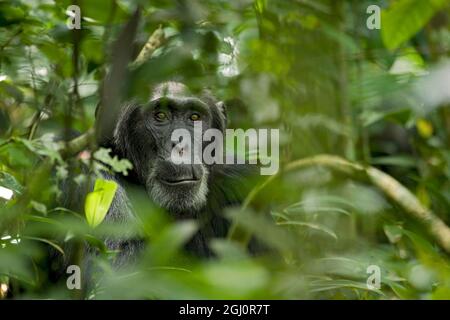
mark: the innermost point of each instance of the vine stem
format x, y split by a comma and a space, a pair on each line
390, 187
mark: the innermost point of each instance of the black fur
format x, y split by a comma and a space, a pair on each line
138, 139
135, 140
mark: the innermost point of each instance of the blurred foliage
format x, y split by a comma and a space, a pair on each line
310, 68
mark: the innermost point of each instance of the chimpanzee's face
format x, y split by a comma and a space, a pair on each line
177, 187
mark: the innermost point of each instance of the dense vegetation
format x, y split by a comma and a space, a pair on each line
313, 69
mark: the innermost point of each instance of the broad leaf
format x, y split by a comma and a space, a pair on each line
98, 202
404, 18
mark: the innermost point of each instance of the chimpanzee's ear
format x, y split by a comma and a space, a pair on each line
223, 111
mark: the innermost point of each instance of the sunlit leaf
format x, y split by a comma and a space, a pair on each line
404, 18
98, 201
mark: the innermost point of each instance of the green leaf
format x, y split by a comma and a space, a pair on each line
16, 155
405, 18
10, 182
98, 202
393, 232
50, 243
39, 207
121, 166
171, 239
399, 161
335, 284
95, 12
314, 226
5, 122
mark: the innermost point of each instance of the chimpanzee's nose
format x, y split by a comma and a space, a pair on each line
179, 149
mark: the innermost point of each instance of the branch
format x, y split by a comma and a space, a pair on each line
76, 145
109, 108
393, 189
113, 87
154, 42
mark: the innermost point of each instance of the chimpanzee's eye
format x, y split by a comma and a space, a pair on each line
195, 117
160, 116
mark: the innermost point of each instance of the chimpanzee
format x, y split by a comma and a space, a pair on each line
143, 135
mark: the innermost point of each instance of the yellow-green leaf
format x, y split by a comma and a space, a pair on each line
404, 18
425, 128
98, 201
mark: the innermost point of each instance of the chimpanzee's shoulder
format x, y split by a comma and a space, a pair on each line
232, 182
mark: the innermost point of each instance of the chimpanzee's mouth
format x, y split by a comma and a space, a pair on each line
180, 181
